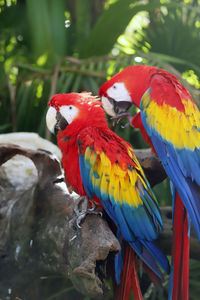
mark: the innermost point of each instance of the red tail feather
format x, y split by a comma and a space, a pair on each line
180, 252
129, 278
155, 279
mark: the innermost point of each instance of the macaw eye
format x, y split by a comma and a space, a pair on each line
69, 112
118, 92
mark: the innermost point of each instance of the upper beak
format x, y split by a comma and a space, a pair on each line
54, 119
51, 119
108, 106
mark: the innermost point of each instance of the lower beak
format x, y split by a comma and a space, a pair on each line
121, 106
114, 108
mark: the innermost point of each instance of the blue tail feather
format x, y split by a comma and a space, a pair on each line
158, 255
148, 259
188, 189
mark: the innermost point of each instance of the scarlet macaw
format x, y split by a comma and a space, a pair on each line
101, 166
169, 121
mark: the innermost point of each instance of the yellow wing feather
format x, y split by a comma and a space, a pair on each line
179, 128
120, 184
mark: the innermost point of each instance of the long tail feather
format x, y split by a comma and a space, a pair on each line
149, 259
155, 279
135, 281
129, 278
157, 255
179, 281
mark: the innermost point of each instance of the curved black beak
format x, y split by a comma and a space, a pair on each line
121, 106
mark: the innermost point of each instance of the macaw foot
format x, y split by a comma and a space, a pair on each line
122, 116
81, 210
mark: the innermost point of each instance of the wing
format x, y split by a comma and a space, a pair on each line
175, 134
110, 171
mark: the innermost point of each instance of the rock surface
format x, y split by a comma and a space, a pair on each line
30, 140
35, 234
36, 237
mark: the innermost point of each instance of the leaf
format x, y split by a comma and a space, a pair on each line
111, 24
173, 37
46, 22
76, 84
23, 104
67, 83
5, 127
171, 59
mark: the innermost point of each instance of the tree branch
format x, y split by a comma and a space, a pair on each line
151, 165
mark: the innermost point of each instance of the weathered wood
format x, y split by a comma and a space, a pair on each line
41, 216
151, 165
34, 227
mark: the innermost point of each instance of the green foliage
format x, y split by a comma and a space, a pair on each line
33, 47
39, 57
46, 25
173, 33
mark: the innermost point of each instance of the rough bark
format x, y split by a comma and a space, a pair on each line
151, 165
36, 235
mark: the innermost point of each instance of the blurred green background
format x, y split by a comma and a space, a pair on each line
59, 46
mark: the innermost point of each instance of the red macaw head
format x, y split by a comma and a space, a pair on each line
124, 89
74, 111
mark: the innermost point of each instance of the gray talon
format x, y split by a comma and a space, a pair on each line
79, 219
82, 203
92, 208
78, 201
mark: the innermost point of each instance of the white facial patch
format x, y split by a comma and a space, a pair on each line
118, 92
108, 107
51, 119
69, 112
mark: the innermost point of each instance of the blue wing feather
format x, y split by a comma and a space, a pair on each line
135, 223
155, 252
85, 175
182, 167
